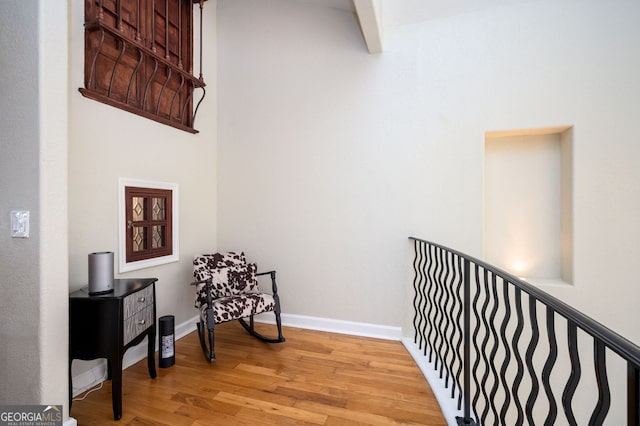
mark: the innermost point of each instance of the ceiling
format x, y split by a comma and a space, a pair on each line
401, 12
374, 15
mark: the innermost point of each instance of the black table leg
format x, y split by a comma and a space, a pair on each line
116, 386
70, 385
151, 355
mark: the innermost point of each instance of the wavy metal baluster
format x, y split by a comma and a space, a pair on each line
432, 289
440, 312
447, 306
485, 341
494, 349
533, 343
633, 394
507, 352
466, 419
442, 305
516, 353
476, 331
460, 331
604, 396
548, 366
416, 273
423, 301
574, 378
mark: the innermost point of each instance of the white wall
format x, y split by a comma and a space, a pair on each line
107, 143
19, 258
33, 272
53, 180
329, 158
320, 174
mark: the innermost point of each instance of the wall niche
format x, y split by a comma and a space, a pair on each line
528, 208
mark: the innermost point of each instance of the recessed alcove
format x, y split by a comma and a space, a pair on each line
528, 212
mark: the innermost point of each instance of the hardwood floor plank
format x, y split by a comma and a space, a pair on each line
314, 378
302, 393
217, 416
388, 408
271, 408
255, 418
361, 417
259, 370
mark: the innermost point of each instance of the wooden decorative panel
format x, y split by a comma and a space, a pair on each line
139, 57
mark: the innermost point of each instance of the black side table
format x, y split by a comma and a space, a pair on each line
105, 326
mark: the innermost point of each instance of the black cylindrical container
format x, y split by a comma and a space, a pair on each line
166, 344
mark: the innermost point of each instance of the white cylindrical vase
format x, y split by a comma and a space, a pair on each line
101, 272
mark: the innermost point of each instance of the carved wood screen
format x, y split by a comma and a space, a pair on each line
139, 58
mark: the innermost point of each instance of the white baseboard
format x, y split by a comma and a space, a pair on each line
94, 376
443, 395
86, 380
335, 326
70, 422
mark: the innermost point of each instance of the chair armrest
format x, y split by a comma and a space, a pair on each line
210, 317
274, 287
207, 284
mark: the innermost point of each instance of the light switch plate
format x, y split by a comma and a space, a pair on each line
20, 223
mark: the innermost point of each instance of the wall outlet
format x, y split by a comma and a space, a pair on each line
20, 223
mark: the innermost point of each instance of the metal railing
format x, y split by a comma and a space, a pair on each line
493, 340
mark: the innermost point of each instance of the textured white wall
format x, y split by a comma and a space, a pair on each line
54, 238
33, 271
324, 163
19, 190
329, 157
107, 143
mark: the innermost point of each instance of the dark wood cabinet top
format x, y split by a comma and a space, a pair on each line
122, 287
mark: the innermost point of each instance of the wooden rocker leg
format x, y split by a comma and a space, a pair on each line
208, 352
251, 330
279, 324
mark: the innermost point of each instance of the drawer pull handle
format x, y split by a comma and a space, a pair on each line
141, 322
141, 299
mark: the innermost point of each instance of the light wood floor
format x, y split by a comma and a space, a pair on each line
314, 378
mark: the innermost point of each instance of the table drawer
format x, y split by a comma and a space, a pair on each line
138, 323
137, 301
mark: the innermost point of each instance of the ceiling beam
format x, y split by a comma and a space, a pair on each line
369, 15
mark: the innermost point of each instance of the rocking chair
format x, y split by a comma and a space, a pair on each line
227, 290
